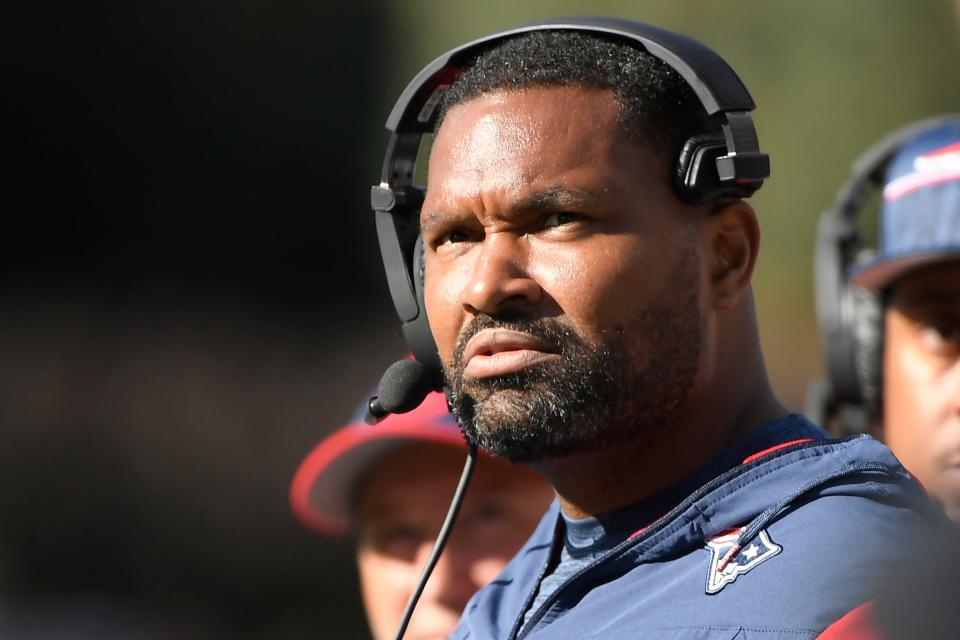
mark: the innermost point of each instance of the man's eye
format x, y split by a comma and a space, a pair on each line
453, 237
560, 218
441, 238
942, 334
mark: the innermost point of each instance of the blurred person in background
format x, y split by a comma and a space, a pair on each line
389, 486
906, 319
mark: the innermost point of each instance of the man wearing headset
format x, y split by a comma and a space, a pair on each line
915, 277
388, 486
589, 297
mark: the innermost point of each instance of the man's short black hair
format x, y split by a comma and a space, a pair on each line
657, 107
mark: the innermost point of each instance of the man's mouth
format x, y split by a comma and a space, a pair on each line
498, 352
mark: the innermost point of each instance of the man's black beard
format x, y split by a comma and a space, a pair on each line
592, 396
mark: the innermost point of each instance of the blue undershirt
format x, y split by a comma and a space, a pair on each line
589, 539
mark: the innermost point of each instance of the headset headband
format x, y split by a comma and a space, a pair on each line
840, 245
738, 167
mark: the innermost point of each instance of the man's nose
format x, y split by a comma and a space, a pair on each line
500, 281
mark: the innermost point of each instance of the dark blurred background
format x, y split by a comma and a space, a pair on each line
191, 297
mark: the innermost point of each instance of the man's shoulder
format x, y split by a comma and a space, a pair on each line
815, 526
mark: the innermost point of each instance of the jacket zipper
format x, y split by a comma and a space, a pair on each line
543, 574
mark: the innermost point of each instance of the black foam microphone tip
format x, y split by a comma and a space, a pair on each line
403, 386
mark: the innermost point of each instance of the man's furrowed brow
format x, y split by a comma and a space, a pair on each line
556, 197
552, 198
429, 219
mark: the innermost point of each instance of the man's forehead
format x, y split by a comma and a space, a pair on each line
501, 125
532, 100
543, 143
485, 132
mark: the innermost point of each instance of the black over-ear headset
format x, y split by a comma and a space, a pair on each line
709, 168
851, 318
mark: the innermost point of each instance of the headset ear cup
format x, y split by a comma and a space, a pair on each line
695, 173
419, 269
868, 331
417, 332
836, 312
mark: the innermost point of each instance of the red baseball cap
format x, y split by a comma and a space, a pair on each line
326, 480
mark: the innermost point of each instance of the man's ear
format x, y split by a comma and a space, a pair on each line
734, 241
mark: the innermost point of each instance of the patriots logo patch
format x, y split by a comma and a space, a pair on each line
728, 560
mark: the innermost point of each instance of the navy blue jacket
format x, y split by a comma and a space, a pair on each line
779, 546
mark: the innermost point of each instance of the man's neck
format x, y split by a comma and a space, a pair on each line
616, 476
